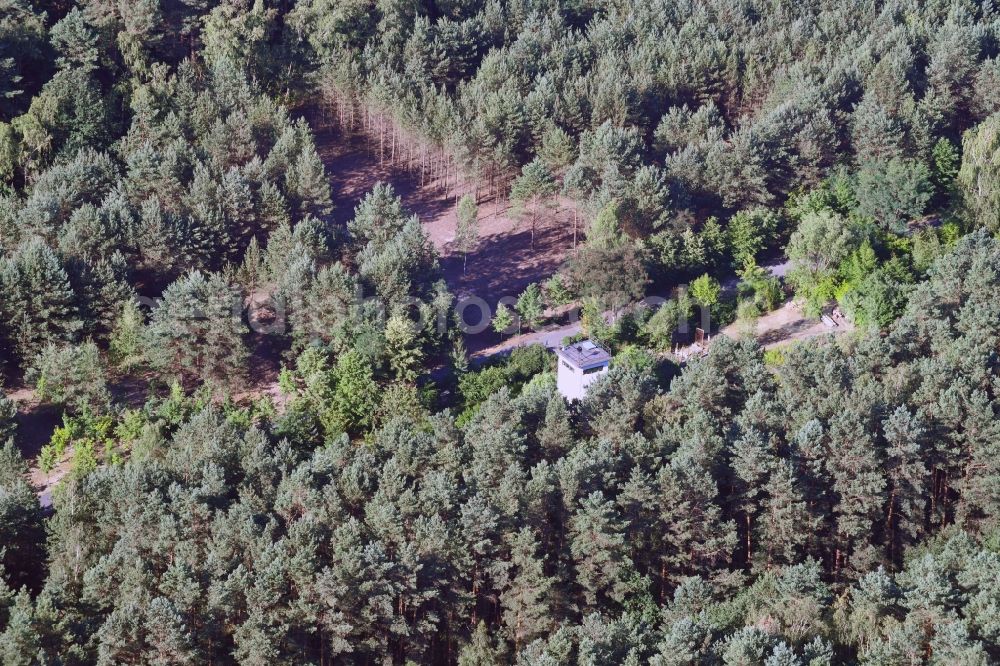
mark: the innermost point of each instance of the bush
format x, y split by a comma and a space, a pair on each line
635, 358
475, 387
706, 290
660, 328
526, 362
523, 364
774, 357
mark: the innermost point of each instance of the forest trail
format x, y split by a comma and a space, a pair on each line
505, 261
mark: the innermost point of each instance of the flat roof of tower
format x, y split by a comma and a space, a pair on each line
585, 354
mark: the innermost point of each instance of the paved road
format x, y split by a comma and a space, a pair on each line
552, 336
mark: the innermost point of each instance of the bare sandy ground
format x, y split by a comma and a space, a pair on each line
505, 260
788, 324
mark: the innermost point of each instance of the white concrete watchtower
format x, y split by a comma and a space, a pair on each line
580, 364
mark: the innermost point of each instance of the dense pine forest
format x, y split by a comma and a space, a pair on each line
241, 420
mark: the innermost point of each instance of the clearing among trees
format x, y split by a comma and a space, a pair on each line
504, 261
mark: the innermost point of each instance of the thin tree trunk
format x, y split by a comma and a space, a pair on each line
890, 532
749, 549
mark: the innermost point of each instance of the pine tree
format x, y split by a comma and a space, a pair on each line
21, 641
197, 330
39, 307
749, 645
979, 505
786, 525
695, 538
555, 434
466, 227
503, 320
860, 485
686, 641
126, 337
907, 475
22, 527
600, 555
893, 192
979, 174
530, 307
308, 185
355, 397
480, 651
357, 592
533, 189
527, 608
73, 377
752, 463
167, 637
328, 310
402, 347
101, 289
750, 232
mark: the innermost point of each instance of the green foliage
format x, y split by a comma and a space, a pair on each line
668, 319
521, 366
729, 495
605, 230
527, 361
557, 149
532, 190
72, 377
706, 290
197, 331
355, 395
816, 249
503, 319
395, 256
979, 174
286, 382
759, 286
826, 503
37, 304
22, 529
8, 416
747, 314
402, 348
530, 306
893, 192
126, 338
534, 185
774, 357
556, 290
636, 359
476, 387
945, 163
751, 232
612, 277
